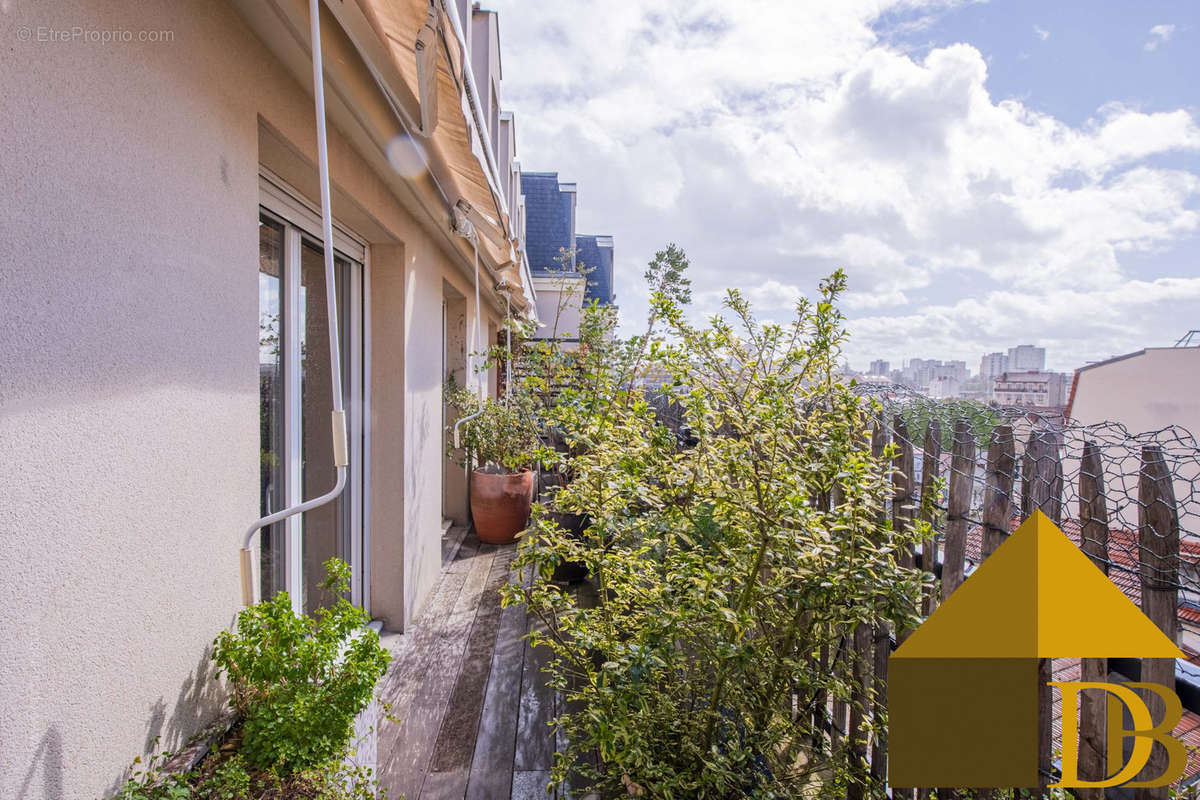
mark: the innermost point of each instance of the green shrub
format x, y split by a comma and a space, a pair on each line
723, 567
297, 682
225, 776
296, 685
504, 435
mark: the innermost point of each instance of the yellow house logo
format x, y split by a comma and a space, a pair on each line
963, 688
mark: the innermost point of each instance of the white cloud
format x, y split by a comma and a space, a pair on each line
1041, 32
1158, 35
778, 147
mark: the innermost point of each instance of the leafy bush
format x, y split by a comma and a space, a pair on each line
574, 387
298, 682
504, 435
224, 776
296, 685
722, 568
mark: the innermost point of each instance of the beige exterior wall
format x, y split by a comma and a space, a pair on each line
129, 180
559, 306
1145, 392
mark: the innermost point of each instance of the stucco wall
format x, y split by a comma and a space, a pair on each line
129, 402
129, 399
1144, 392
559, 307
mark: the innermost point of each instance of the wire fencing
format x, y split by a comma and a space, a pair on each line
1129, 500
1020, 459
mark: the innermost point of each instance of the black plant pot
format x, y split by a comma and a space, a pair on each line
574, 525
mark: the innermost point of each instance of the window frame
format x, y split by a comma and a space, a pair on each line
301, 221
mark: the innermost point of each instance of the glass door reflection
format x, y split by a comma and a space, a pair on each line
272, 496
327, 530
295, 411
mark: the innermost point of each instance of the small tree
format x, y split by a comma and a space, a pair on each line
721, 568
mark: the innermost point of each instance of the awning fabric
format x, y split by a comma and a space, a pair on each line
397, 23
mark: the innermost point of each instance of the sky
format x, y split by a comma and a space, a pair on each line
987, 173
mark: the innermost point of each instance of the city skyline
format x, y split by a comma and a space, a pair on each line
986, 173
1015, 376
1016, 358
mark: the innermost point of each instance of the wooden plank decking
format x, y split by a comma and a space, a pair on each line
473, 704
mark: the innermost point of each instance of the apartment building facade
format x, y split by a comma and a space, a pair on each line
569, 269
1031, 389
991, 366
164, 351
1026, 358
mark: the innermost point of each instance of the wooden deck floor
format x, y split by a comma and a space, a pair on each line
473, 704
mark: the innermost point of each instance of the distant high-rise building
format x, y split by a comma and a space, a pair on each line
936, 378
991, 365
880, 367
954, 370
1032, 388
1026, 358
944, 386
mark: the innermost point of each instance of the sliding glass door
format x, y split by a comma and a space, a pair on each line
272, 488
295, 405
326, 530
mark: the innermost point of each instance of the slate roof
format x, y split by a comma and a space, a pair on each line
596, 253
549, 220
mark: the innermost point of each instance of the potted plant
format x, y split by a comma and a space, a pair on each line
572, 524
499, 443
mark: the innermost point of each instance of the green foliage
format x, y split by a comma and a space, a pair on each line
230, 780
722, 569
225, 776
296, 685
148, 781
297, 682
503, 435
666, 276
982, 418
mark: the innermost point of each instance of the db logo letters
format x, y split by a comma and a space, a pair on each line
1145, 733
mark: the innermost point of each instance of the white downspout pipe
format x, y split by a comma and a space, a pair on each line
507, 344
340, 445
466, 229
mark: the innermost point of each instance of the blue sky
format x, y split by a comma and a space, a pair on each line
1070, 58
988, 173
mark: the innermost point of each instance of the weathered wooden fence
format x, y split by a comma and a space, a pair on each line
1130, 501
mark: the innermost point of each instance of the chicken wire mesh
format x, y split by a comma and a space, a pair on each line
1129, 499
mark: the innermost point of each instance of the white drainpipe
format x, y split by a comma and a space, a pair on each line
340, 446
466, 229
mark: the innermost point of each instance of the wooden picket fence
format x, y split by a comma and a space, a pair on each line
1014, 484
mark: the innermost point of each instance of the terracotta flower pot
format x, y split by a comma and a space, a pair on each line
500, 504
